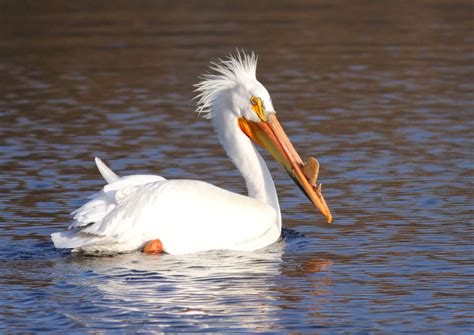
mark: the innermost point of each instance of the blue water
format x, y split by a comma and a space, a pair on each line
380, 93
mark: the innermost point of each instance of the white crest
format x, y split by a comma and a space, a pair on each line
227, 73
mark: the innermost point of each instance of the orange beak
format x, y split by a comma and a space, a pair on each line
271, 136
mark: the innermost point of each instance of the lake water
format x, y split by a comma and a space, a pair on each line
380, 92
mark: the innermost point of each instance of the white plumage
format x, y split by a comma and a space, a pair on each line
188, 215
133, 210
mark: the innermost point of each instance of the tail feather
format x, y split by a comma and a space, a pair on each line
74, 239
86, 243
96, 228
106, 172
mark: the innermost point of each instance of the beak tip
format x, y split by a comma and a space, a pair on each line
329, 218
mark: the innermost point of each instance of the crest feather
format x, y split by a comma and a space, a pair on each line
226, 73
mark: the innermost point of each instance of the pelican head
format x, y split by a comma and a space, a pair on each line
232, 88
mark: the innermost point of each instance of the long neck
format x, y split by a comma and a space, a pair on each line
246, 158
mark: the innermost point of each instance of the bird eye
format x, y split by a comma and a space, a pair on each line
253, 101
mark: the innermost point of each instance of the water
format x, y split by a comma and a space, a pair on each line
380, 92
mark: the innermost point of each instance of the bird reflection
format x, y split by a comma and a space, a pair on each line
217, 284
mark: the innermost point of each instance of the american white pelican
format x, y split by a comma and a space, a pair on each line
185, 216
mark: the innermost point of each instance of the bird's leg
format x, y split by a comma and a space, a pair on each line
153, 247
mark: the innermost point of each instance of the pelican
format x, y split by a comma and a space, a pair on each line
154, 214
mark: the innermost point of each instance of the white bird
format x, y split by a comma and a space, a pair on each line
188, 216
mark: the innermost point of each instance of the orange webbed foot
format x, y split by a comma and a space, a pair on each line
153, 247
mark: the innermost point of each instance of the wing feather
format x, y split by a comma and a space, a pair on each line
186, 215
106, 172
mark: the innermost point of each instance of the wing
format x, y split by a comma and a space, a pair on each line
106, 172
90, 228
190, 216
186, 215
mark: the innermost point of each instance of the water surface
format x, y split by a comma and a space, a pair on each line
380, 92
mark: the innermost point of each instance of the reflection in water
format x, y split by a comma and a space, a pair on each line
189, 291
196, 285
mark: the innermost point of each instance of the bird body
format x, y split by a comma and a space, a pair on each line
136, 209
189, 215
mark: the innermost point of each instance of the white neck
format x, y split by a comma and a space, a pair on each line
246, 158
